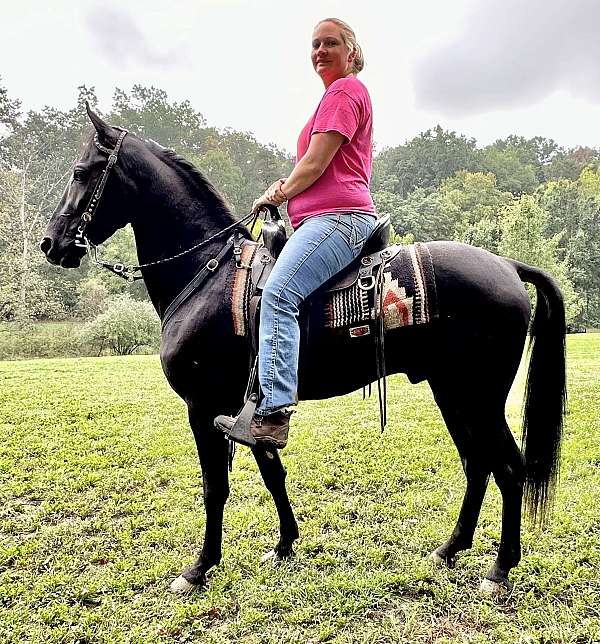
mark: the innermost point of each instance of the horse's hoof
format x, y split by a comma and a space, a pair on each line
495, 589
269, 556
438, 561
181, 586
441, 562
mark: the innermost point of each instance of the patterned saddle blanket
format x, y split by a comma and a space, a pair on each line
402, 291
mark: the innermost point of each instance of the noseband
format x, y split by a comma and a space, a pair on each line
129, 273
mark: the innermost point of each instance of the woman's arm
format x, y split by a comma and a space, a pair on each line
321, 150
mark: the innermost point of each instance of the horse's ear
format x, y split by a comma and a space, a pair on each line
101, 126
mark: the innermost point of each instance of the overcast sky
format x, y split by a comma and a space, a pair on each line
485, 68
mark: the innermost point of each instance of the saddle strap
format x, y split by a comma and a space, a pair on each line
380, 365
201, 276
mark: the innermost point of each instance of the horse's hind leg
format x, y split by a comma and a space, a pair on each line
509, 474
274, 474
478, 427
462, 535
476, 469
212, 450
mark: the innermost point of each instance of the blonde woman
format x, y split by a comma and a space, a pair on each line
332, 213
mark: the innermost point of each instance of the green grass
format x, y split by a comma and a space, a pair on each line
101, 507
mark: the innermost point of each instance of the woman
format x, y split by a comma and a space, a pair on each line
330, 208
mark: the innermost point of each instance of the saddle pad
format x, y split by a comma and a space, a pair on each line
407, 297
239, 287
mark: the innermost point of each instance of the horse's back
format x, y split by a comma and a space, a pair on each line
474, 283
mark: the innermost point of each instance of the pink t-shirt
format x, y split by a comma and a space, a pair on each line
344, 186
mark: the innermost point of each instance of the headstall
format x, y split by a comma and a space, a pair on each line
129, 273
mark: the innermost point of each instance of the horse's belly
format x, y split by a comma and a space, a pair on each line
334, 364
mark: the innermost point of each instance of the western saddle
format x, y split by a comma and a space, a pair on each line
363, 268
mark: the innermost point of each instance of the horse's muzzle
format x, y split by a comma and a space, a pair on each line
67, 257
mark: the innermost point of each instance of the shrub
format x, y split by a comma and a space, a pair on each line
26, 340
93, 299
124, 327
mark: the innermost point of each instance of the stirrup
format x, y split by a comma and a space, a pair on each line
240, 430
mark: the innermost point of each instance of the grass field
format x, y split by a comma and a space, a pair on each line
101, 507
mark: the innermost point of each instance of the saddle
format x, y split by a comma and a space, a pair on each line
373, 253
393, 283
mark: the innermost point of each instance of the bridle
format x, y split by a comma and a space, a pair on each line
133, 272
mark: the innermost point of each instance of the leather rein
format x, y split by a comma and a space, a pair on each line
132, 273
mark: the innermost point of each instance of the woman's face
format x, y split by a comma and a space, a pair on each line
330, 56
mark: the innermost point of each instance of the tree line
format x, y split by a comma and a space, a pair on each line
525, 198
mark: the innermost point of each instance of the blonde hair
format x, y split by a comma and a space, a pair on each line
349, 39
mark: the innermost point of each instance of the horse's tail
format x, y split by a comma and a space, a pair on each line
546, 393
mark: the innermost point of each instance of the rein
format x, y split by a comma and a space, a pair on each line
133, 272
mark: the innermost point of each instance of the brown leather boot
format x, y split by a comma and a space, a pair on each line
272, 429
249, 428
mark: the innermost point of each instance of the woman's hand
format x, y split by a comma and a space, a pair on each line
273, 196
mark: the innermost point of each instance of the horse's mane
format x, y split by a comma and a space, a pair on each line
195, 178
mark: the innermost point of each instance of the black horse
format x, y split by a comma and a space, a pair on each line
469, 355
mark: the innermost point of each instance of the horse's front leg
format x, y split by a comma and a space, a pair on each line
212, 450
274, 474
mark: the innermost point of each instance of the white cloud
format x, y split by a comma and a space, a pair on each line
513, 53
118, 37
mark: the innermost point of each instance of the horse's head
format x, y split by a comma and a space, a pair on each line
85, 209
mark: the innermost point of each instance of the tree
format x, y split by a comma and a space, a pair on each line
259, 165
217, 166
512, 173
425, 161
574, 211
569, 164
9, 112
36, 158
148, 113
523, 226
423, 214
475, 203
537, 152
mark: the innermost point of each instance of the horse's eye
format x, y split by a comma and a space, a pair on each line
79, 174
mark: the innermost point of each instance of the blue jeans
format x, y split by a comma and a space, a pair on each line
321, 247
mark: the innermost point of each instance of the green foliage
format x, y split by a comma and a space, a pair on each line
93, 298
536, 153
26, 288
147, 112
574, 211
475, 203
125, 326
218, 167
9, 112
26, 340
424, 162
101, 507
422, 214
523, 226
568, 164
512, 174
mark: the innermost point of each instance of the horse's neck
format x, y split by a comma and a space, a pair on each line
168, 226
